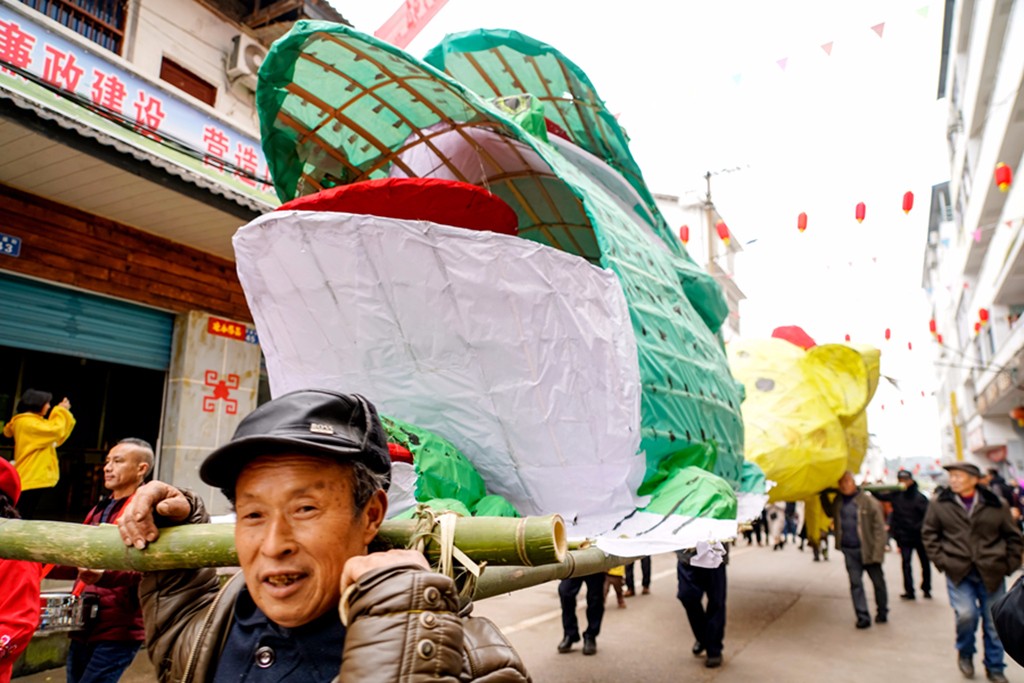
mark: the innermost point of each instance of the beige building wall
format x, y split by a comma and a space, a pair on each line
212, 384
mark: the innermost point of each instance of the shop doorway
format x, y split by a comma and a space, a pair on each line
109, 401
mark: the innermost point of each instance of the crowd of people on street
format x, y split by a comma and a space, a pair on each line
307, 474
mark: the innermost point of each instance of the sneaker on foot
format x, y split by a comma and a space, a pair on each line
966, 665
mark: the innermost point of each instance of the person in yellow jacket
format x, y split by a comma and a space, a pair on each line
36, 438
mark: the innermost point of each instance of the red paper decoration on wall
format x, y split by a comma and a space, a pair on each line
861, 212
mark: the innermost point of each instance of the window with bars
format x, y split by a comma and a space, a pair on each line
101, 21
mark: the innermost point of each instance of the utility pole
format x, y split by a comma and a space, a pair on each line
709, 219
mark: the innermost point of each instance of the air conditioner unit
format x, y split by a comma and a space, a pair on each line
244, 61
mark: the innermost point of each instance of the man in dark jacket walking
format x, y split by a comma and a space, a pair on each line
860, 534
908, 510
970, 536
102, 652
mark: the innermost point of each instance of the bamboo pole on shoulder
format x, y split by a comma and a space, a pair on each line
526, 541
499, 580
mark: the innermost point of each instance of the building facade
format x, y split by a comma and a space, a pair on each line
129, 155
974, 265
696, 219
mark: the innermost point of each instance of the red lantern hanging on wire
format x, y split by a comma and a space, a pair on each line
888, 334
723, 232
1004, 176
908, 202
910, 346
983, 315
861, 212
977, 327
801, 222
938, 338
932, 326
847, 337
684, 234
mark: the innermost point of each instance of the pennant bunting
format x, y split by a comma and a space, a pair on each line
827, 47
782, 62
878, 28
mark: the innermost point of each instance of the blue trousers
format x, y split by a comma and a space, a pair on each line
100, 662
707, 623
568, 589
971, 600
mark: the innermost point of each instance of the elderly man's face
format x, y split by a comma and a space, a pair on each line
296, 528
962, 483
847, 486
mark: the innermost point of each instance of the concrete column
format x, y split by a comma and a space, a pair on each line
212, 385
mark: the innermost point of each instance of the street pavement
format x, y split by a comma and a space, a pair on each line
790, 620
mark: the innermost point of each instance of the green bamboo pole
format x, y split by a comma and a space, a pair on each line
498, 580
495, 540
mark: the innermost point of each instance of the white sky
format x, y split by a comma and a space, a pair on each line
698, 88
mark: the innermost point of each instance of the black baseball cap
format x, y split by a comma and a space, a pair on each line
964, 467
904, 474
317, 422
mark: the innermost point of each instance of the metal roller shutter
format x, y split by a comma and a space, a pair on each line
42, 317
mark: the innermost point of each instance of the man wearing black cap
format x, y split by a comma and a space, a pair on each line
307, 474
970, 536
908, 509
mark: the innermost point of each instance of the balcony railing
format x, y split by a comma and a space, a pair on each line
101, 21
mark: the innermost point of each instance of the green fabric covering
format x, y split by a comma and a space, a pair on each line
336, 106
438, 505
493, 505
525, 110
693, 492
442, 472
753, 480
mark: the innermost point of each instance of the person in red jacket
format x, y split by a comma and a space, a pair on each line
102, 652
19, 584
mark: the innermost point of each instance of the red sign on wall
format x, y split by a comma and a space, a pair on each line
225, 328
408, 20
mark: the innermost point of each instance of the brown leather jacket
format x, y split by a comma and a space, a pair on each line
403, 626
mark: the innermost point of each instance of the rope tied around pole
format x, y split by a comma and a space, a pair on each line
439, 529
